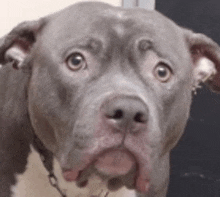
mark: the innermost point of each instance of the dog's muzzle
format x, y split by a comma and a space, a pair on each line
126, 117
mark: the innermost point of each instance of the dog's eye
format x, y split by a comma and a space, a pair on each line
162, 72
76, 61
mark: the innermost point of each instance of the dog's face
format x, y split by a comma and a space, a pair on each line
110, 89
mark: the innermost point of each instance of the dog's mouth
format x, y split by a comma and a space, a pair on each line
116, 167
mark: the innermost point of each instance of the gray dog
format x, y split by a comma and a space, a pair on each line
103, 94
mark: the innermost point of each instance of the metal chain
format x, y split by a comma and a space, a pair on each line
47, 159
54, 183
52, 177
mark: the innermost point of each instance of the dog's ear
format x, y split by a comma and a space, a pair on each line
205, 55
15, 46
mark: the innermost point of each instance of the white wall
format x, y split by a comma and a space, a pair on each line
13, 12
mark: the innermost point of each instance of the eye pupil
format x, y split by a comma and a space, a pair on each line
162, 72
76, 60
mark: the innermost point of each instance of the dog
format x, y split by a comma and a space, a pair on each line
96, 96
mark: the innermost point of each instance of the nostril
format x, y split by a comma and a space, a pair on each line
140, 117
125, 114
118, 114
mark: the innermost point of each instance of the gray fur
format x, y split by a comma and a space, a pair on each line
64, 107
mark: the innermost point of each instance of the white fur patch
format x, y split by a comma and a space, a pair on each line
205, 69
34, 183
16, 53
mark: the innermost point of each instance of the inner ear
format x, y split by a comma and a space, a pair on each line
205, 55
17, 45
204, 69
16, 54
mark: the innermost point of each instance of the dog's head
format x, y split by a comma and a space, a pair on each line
110, 89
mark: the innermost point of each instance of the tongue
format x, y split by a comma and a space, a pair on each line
117, 162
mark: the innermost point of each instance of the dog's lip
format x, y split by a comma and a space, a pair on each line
115, 162
141, 183
105, 163
70, 175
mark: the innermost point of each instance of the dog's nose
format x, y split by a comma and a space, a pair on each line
125, 113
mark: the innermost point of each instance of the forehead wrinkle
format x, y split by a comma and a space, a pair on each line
88, 43
117, 20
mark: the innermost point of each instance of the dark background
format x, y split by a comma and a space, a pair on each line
195, 162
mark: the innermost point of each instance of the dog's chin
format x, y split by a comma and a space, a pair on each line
117, 168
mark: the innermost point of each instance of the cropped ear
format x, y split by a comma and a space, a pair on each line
16, 46
205, 55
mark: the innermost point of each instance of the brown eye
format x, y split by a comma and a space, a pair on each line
162, 72
76, 61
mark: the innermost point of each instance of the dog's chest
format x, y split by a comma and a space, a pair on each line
34, 183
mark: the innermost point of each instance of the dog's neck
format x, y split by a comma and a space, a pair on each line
34, 181
49, 163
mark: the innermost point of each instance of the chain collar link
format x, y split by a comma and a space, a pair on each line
47, 160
